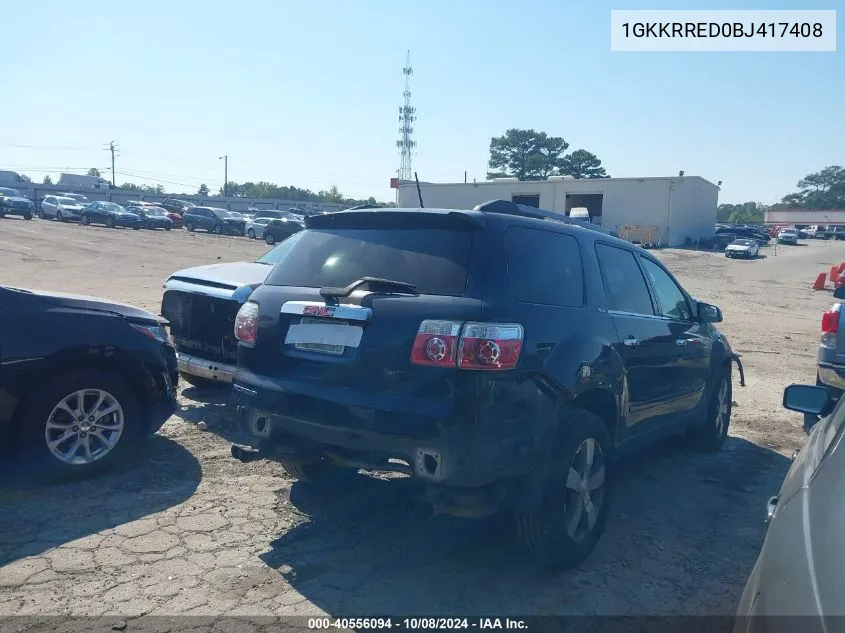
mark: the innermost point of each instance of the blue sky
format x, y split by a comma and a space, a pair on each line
307, 94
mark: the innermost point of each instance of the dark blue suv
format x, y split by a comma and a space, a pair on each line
504, 356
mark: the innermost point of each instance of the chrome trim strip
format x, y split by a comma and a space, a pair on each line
343, 311
203, 368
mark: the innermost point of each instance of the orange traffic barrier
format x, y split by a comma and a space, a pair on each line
819, 283
834, 274
841, 268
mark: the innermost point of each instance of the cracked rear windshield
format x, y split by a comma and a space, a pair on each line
434, 260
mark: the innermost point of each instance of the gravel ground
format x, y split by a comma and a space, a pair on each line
185, 530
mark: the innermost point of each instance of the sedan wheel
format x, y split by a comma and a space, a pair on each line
84, 427
251, 234
270, 239
218, 229
189, 226
59, 216
110, 223
86, 220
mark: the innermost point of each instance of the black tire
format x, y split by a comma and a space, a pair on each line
27, 216
711, 435
2, 213
201, 383
110, 222
218, 229
189, 226
269, 238
59, 217
250, 234
41, 214
86, 220
136, 228
40, 404
548, 533
167, 228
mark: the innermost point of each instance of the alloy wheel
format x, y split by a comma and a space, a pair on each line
84, 426
584, 490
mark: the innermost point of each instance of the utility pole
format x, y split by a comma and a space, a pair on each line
113, 175
225, 159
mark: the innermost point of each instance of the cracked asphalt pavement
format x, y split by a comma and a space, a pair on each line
182, 529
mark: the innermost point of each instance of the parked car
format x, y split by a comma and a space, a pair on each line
743, 247
830, 365
255, 228
441, 344
835, 233
798, 566
279, 229
213, 220
60, 208
815, 231
13, 202
175, 218
110, 214
201, 303
762, 237
83, 379
176, 206
787, 236
152, 217
76, 196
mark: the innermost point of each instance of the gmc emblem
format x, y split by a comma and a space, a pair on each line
319, 311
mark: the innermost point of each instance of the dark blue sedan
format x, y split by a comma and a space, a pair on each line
110, 214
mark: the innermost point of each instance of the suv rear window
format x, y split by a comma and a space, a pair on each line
544, 267
434, 260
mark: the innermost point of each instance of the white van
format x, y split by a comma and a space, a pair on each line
580, 213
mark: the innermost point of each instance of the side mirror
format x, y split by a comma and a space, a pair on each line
807, 399
708, 313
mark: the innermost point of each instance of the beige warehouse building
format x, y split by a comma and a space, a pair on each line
678, 210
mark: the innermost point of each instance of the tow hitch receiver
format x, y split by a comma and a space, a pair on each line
244, 453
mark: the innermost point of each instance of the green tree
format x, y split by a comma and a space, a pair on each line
94, 172
582, 164
47, 180
332, 195
745, 213
526, 154
203, 190
824, 189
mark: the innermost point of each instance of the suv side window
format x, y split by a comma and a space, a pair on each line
544, 267
623, 280
672, 302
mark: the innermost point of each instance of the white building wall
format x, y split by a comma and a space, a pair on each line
690, 210
693, 203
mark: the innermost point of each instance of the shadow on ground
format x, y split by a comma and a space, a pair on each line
37, 517
683, 534
212, 405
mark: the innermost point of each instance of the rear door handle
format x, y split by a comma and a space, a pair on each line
631, 342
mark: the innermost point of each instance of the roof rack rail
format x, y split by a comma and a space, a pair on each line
511, 208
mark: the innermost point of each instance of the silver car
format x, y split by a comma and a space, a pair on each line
255, 228
831, 357
802, 562
61, 208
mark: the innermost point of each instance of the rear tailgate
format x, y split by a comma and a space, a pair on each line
353, 347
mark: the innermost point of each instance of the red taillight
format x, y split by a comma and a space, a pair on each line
830, 322
490, 346
246, 323
436, 343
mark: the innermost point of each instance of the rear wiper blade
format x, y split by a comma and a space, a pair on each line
375, 283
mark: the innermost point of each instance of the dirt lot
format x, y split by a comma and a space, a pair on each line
189, 531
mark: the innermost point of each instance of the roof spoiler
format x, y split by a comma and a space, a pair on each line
511, 208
